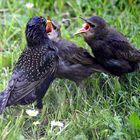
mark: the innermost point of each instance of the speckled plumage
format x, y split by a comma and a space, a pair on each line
35, 69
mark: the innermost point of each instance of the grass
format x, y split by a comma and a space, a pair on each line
105, 108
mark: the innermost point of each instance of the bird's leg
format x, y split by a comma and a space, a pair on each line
80, 84
77, 83
39, 105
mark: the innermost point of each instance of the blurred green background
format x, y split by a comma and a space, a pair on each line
105, 108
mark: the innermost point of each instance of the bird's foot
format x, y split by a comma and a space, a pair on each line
40, 110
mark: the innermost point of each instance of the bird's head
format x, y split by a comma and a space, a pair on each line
53, 30
93, 26
36, 31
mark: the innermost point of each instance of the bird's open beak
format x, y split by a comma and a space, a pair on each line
84, 29
49, 26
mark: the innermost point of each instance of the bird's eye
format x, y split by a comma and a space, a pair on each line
43, 23
92, 25
54, 27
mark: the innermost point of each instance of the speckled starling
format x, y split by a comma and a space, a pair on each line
75, 63
111, 49
35, 69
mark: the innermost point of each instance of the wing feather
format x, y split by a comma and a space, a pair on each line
25, 87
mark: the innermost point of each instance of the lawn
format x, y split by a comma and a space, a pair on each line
104, 108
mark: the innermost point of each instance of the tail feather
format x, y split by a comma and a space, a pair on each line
99, 68
138, 66
3, 100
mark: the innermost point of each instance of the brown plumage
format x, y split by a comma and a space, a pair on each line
110, 48
75, 63
35, 69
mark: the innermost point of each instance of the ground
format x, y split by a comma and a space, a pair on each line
106, 107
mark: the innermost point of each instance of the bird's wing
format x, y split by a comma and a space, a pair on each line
6, 93
23, 87
121, 47
108, 57
75, 54
80, 55
124, 50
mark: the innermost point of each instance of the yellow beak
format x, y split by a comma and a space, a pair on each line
49, 26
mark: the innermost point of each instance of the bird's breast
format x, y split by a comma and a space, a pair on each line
32, 64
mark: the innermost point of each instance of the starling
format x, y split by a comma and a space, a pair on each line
111, 49
35, 69
75, 63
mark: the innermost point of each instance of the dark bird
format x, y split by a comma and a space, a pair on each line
110, 48
75, 63
35, 69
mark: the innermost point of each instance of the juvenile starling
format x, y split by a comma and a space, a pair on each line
75, 63
110, 48
35, 69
